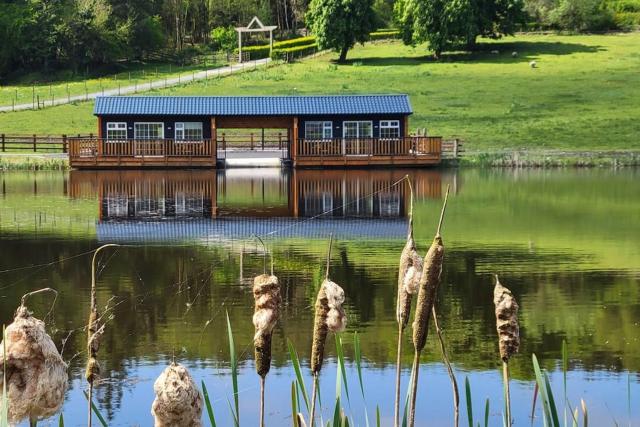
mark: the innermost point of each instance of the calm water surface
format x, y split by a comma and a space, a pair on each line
567, 242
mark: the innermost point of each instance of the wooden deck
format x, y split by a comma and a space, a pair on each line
96, 153
340, 152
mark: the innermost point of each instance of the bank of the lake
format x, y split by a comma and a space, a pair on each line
581, 96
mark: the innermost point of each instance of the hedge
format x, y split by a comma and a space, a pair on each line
383, 35
291, 53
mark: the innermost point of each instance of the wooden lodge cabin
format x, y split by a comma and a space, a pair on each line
189, 131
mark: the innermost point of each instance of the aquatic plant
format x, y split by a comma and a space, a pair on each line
329, 316
266, 293
178, 401
95, 329
409, 274
508, 335
429, 283
34, 376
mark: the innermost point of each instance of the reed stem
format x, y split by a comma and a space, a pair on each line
414, 388
326, 274
396, 412
452, 377
507, 394
261, 401
444, 207
90, 397
313, 400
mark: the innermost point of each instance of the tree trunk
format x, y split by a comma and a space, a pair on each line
471, 43
343, 54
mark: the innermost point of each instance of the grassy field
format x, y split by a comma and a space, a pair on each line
32, 87
583, 94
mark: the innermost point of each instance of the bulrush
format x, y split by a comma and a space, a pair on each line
409, 274
178, 401
329, 316
429, 283
36, 375
508, 334
266, 293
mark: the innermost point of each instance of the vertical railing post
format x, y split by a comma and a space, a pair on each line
35, 138
262, 137
251, 141
3, 139
65, 149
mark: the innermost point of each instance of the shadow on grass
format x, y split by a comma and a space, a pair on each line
497, 53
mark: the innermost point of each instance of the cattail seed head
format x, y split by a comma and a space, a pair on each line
429, 283
409, 275
178, 401
506, 321
329, 316
266, 293
36, 374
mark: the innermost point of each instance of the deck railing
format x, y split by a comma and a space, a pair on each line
107, 148
337, 147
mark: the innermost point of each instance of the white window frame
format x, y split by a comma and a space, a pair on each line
116, 126
390, 124
326, 126
358, 122
135, 130
181, 126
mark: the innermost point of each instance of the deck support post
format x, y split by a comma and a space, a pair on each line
214, 140
294, 144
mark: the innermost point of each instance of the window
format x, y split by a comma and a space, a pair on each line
318, 130
188, 131
361, 129
148, 130
389, 129
116, 131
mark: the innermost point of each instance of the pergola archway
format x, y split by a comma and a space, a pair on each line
255, 26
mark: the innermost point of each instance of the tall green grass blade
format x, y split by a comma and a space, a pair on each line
236, 421
378, 424
234, 372
95, 410
207, 402
467, 388
61, 421
336, 414
585, 417
340, 353
358, 357
405, 413
575, 418
552, 402
565, 368
294, 406
296, 367
535, 399
486, 413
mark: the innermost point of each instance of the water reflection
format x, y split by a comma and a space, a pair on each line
238, 203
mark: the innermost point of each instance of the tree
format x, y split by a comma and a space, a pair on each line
340, 24
453, 23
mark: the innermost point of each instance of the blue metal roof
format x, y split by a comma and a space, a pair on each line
252, 105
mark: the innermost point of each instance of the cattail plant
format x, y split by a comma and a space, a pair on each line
409, 274
95, 329
508, 335
178, 401
266, 293
429, 283
329, 316
34, 372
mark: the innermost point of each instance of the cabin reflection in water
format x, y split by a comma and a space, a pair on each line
235, 203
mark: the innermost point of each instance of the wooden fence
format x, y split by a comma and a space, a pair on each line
36, 143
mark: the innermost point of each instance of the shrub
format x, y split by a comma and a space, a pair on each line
384, 35
223, 38
291, 53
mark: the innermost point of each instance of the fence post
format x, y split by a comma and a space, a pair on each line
34, 143
455, 148
65, 149
262, 139
2, 137
279, 140
252, 141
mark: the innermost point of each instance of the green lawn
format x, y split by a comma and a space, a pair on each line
583, 94
32, 87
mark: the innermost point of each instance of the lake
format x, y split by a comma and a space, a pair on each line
566, 242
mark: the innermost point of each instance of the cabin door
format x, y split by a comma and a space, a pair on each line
148, 139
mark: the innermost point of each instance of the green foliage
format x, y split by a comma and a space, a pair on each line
384, 35
207, 402
450, 24
340, 24
234, 373
223, 38
580, 15
467, 390
546, 395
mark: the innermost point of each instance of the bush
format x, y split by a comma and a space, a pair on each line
384, 35
223, 38
581, 15
291, 53
627, 20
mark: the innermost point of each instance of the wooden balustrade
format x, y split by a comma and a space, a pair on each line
337, 147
